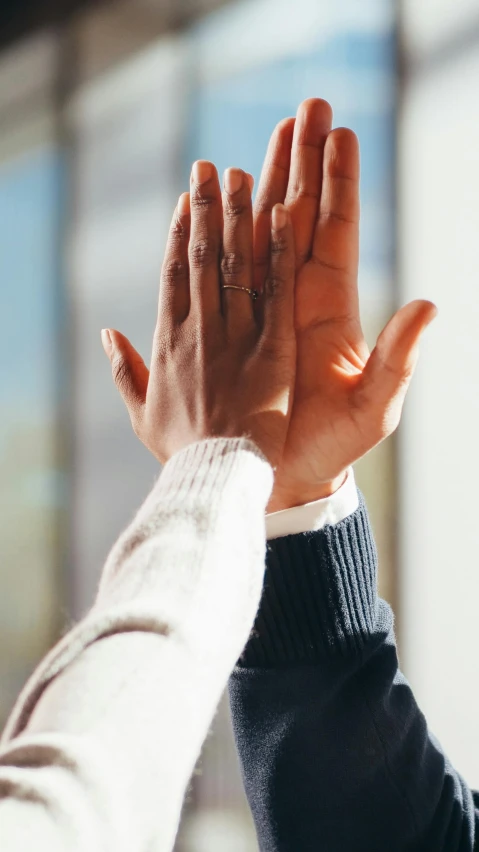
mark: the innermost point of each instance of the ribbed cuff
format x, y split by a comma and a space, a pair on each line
218, 459
320, 595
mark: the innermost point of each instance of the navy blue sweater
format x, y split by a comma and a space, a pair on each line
336, 756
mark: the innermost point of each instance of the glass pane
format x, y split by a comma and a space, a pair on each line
33, 494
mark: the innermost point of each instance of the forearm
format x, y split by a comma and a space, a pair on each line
335, 753
106, 733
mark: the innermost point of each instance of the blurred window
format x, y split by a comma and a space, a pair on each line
439, 254
128, 128
430, 25
32, 483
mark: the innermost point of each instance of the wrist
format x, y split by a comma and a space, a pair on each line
288, 497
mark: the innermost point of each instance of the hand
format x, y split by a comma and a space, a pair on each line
346, 401
215, 371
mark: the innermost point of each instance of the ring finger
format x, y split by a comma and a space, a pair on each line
237, 261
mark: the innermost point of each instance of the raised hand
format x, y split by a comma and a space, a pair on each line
216, 371
346, 400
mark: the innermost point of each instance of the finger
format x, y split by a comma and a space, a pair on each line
129, 371
205, 238
250, 180
278, 293
271, 190
174, 301
387, 375
237, 260
313, 124
336, 239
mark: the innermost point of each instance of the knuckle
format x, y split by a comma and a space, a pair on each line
279, 245
234, 209
334, 217
299, 191
203, 253
178, 230
274, 286
121, 373
201, 199
232, 265
174, 271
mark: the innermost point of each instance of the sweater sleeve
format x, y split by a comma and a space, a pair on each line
102, 742
335, 753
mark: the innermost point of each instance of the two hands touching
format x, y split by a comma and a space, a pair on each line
290, 370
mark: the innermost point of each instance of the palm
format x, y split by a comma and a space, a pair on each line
331, 356
345, 400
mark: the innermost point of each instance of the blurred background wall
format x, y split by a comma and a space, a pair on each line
439, 461
102, 110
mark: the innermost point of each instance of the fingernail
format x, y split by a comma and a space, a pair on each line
184, 204
250, 181
202, 171
106, 341
233, 180
279, 217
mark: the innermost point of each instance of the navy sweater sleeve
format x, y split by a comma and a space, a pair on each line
335, 754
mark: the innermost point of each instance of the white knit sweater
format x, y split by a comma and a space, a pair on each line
101, 745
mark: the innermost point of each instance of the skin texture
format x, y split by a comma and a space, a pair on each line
346, 399
216, 371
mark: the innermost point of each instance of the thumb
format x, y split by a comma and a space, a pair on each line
129, 371
390, 368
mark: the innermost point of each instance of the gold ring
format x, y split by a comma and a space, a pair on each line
253, 293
